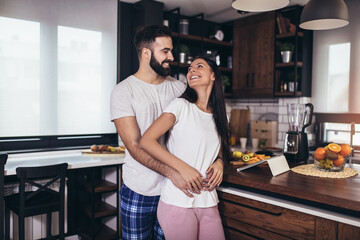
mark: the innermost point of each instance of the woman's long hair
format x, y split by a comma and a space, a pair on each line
217, 103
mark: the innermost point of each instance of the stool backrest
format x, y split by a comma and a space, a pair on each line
50, 174
3, 158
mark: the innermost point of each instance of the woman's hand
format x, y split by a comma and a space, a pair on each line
214, 175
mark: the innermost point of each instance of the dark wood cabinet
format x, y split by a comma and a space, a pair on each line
253, 52
245, 218
261, 219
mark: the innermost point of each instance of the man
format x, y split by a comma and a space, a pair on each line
135, 103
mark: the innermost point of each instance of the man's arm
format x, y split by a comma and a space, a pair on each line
149, 141
129, 133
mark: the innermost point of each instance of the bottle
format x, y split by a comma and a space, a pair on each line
262, 139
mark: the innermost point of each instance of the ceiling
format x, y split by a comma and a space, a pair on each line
214, 10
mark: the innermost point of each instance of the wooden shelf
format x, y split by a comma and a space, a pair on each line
104, 210
186, 65
286, 94
288, 35
102, 186
225, 69
182, 65
102, 232
228, 95
290, 64
205, 40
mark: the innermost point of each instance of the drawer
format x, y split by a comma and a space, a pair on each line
239, 230
272, 218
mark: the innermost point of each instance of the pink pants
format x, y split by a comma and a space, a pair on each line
190, 223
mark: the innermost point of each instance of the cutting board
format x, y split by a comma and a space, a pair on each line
239, 122
102, 154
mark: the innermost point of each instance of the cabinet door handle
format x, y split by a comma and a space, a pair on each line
247, 80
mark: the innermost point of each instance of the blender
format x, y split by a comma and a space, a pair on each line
296, 147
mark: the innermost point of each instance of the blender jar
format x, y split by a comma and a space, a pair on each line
296, 114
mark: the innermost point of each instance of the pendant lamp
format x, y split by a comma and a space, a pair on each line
259, 5
324, 14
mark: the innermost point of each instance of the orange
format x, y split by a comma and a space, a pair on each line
334, 147
338, 162
320, 153
345, 150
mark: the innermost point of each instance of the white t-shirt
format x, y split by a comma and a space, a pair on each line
133, 97
193, 139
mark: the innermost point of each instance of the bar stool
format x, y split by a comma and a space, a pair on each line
3, 158
42, 200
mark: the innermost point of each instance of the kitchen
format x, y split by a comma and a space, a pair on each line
331, 99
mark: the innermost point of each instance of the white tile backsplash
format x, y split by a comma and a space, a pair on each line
258, 107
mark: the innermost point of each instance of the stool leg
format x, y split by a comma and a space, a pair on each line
7, 223
61, 224
48, 225
21, 226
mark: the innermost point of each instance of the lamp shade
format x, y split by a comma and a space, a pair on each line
324, 14
259, 5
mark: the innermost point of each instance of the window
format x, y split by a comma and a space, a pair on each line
57, 69
335, 80
338, 78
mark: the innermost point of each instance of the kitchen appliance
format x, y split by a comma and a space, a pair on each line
296, 147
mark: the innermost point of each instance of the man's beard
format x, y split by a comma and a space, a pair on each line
156, 66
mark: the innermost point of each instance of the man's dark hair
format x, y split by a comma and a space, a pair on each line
145, 36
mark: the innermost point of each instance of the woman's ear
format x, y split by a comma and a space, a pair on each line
212, 77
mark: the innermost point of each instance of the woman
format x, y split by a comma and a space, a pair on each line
197, 142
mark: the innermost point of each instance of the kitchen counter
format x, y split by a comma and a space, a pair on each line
335, 195
74, 158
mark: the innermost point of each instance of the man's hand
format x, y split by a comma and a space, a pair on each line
214, 175
179, 182
192, 178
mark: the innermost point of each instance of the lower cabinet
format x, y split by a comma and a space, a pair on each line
244, 218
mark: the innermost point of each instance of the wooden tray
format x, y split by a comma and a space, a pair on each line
101, 154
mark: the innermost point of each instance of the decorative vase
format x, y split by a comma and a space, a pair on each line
292, 86
182, 57
286, 56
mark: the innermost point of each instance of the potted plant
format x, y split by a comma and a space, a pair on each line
225, 81
286, 50
183, 52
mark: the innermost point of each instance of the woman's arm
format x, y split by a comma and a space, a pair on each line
149, 142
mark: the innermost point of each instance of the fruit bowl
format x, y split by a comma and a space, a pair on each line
332, 158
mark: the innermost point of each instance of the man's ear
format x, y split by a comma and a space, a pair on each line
146, 52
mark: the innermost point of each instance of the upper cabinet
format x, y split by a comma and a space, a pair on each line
293, 55
194, 36
253, 53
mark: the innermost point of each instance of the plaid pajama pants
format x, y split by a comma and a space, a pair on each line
138, 216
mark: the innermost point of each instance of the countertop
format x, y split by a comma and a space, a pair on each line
338, 195
74, 158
